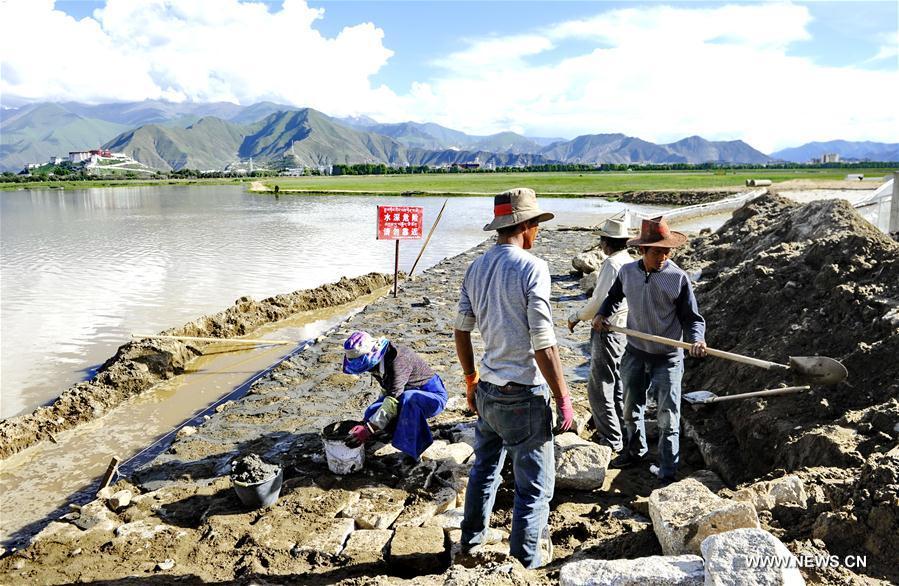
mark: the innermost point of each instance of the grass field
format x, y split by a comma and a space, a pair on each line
557, 184
572, 184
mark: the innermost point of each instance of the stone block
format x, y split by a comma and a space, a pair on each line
56, 532
457, 404
787, 490
444, 451
317, 501
686, 512
727, 560
95, 515
465, 434
416, 514
326, 536
140, 529
119, 500
588, 283
681, 570
589, 261
451, 519
580, 464
376, 508
367, 546
418, 550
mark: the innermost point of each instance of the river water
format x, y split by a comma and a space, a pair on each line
81, 270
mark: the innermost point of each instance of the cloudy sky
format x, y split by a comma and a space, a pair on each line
774, 74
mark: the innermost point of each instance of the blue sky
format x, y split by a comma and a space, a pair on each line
770, 73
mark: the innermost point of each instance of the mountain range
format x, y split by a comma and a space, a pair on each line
848, 150
167, 136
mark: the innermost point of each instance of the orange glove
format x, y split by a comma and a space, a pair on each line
471, 385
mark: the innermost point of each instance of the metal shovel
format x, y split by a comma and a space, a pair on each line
819, 370
706, 397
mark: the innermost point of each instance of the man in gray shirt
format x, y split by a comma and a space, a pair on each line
505, 293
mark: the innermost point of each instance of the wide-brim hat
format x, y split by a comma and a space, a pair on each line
655, 232
514, 207
616, 227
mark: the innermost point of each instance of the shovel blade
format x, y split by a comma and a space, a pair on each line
699, 397
819, 370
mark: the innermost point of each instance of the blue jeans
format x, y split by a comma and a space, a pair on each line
520, 424
637, 374
411, 433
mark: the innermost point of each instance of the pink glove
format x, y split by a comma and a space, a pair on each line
358, 436
565, 413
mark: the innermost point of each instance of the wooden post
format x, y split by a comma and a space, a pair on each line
110, 472
396, 267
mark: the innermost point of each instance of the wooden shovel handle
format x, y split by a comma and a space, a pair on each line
710, 351
765, 393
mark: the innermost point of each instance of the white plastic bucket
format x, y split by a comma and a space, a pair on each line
341, 458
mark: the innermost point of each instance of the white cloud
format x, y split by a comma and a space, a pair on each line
662, 73
197, 50
657, 72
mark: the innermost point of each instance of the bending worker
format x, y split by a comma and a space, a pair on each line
505, 293
412, 393
604, 388
661, 302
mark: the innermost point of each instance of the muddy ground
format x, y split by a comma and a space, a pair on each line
677, 198
139, 365
188, 525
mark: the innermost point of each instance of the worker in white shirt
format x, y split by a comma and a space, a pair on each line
604, 388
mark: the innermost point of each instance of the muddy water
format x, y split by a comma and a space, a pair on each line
83, 269
40, 480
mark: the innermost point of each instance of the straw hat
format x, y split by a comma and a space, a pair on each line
514, 207
655, 232
615, 227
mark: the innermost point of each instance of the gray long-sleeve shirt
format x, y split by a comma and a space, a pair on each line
660, 303
401, 369
505, 293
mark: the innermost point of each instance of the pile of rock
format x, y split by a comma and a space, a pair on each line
705, 539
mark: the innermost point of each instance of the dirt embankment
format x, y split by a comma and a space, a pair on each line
782, 279
139, 365
675, 198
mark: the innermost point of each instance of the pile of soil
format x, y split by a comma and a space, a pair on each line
139, 365
675, 198
251, 469
781, 279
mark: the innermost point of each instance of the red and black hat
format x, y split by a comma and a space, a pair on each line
514, 207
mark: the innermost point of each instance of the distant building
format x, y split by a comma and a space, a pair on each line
101, 153
827, 158
78, 156
57, 160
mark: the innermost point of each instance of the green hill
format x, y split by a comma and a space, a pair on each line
210, 143
37, 132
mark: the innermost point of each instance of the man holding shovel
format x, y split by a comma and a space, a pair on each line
660, 302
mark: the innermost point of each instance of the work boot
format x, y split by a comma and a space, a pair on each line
625, 460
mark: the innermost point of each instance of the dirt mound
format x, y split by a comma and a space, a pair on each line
139, 365
781, 279
677, 198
